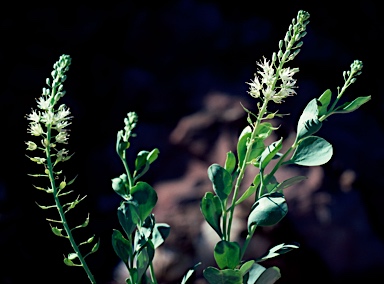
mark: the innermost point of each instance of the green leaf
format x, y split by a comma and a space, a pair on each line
352, 106
270, 152
128, 216
146, 198
189, 273
289, 182
160, 233
270, 276
324, 100
227, 254
141, 160
152, 156
225, 276
255, 272
221, 181
250, 190
121, 246
211, 208
230, 162
308, 123
144, 258
278, 250
245, 267
268, 210
257, 146
312, 151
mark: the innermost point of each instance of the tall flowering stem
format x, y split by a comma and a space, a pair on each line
49, 123
265, 86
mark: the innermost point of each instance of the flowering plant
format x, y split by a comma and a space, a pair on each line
141, 235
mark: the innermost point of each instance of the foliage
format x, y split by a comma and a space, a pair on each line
139, 237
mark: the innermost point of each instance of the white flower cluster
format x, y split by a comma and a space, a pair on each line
265, 83
49, 117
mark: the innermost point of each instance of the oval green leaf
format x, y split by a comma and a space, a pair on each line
226, 276
227, 254
211, 208
221, 180
146, 198
312, 151
268, 210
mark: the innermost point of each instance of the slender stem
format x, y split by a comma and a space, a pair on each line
130, 178
244, 165
61, 211
247, 240
152, 272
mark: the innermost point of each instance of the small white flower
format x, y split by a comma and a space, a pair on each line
62, 113
31, 146
47, 117
34, 116
35, 129
62, 137
267, 72
61, 125
43, 103
38, 160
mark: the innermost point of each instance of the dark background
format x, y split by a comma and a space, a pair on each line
160, 60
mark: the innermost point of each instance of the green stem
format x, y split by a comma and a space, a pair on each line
130, 178
152, 272
247, 240
244, 165
60, 208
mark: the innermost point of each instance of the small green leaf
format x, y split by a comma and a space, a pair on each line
278, 250
189, 273
245, 267
268, 210
160, 233
230, 162
251, 190
221, 181
312, 151
352, 106
152, 156
242, 144
270, 276
289, 182
255, 272
121, 246
270, 152
227, 254
144, 258
146, 198
72, 181
225, 276
324, 100
141, 160
128, 216
308, 123
211, 208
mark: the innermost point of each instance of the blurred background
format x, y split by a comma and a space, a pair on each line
182, 66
